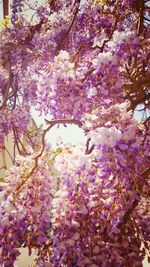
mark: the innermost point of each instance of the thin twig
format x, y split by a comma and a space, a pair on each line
89, 150
69, 29
9, 154
135, 203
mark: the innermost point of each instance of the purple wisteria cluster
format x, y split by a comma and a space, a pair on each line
84, 63
26, 197
14, 120
96, 193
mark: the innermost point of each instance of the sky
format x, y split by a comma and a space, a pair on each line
1, 9
71, 134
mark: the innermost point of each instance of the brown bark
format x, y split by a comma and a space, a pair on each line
5, 8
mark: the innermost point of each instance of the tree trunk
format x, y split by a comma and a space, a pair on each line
5, 8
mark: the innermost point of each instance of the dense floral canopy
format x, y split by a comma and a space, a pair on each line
86, 63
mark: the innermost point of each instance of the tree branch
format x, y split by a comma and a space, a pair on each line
89, 150
140, 9
51, 124
63, 121
69, 29
135, 203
